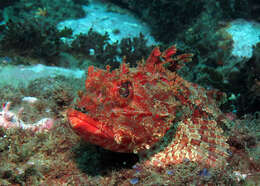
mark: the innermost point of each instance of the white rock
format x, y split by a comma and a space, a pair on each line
245, 35
30, 99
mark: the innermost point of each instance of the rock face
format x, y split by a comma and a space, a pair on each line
118, 23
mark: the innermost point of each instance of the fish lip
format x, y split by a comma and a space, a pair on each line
92, 131
84, 124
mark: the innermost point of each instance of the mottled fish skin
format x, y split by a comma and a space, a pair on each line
152, 111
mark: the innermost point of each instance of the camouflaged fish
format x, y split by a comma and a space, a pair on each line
152, 111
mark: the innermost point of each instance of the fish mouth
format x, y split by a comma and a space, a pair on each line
95, 132
87, 127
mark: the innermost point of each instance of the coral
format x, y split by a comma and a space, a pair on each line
245, 135
152, 111
9, 119
56, 93
244, 144
29, 158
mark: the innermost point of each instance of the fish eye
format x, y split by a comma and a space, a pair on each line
122, 93
124, 89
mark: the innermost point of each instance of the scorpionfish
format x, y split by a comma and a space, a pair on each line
152, 111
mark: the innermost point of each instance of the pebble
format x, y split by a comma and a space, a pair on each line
134, 181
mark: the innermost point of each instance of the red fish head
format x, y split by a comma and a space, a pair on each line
128, 109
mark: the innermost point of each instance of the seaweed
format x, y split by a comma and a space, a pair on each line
33, 37
95, 46
134, 49
5, 3
164, 17
52, 10
99, 48
168, 18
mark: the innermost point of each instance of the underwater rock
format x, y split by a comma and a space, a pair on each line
249, 31
103, 21
16, 75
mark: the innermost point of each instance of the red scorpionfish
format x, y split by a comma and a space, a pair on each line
152, 111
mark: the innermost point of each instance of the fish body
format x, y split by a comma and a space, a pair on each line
152, 111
